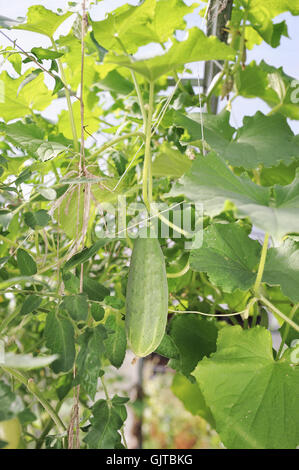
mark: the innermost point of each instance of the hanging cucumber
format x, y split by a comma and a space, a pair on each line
147, 297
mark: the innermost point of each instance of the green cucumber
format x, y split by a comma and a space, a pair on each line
147, 297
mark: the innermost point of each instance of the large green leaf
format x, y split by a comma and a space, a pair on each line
191, 396
170, 162
30, 138
266, 140
35, 95
282, 268
261, 15
130, 27
251, 395
255, 82
217, 130
195, 48
43, 21
59, 334
229, 257
211, 182
194, 337
231, 260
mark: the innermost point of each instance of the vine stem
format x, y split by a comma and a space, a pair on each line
261, 267
209, 314
279, 313
139, 96
31, 57
147, 172
286, 331
31, 386
82, 150
179, 273
275, 109
116, 140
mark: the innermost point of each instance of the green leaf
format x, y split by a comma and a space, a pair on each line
116, 342
38, 219
71, 282
135, 26
97, 312
251, 395
255, 82
12, 281
266, 140
197, 47
30, 138
94, 289
212, 183
63, 385
16, 61
26, 417
69, 213
91, 117
261, 18
31, 303
76, 306
167, 348
47, 193
194, 337
170, 162
43, 21
35, 95
28, 78
217, 130
114, 302
10, 403
27, 361
105, 424
7, 23
229, 257
90, 357
116, 83
59, 335
26, 263
282, 268
191, 396
42, 53
85, 254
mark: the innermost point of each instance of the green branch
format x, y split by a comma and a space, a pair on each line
116, 140
279, 313
147, 173
261, 267
32, 387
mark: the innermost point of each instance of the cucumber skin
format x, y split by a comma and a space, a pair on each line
146, 297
